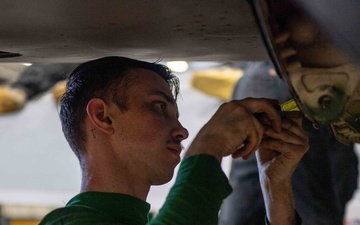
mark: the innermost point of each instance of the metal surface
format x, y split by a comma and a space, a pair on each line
339, 19
324, 81
74, 31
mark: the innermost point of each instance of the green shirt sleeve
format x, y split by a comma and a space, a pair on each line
197, 194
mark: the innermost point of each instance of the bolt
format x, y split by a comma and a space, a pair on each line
325, 101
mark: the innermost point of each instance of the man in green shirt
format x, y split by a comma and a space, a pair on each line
120, 118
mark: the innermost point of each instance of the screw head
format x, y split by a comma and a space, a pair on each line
325, 101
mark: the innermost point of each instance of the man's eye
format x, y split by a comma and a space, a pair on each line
161, 105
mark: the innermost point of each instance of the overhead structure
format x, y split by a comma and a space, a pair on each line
313, 44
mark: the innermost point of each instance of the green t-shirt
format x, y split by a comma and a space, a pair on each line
195, 198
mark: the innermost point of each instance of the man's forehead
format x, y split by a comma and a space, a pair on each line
150, 84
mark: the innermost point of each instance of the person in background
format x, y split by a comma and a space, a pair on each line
324, 181
31, 82
120, 118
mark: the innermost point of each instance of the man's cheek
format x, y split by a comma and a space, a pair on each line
151, 134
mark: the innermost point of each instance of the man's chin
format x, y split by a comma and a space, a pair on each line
163, 179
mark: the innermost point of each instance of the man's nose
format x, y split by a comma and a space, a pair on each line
180, 133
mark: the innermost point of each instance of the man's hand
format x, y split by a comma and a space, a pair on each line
235, 130
278, 156
279, 153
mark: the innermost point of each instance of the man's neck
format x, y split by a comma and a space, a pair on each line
107, 179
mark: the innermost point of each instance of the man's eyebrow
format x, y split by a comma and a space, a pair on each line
168, 98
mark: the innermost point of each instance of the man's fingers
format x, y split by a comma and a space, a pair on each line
285, 148
266, 108
291, 132
250, 144
245, 151
295, 116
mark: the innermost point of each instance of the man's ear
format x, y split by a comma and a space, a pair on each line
98, 113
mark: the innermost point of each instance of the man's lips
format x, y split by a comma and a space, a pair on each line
176, 149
